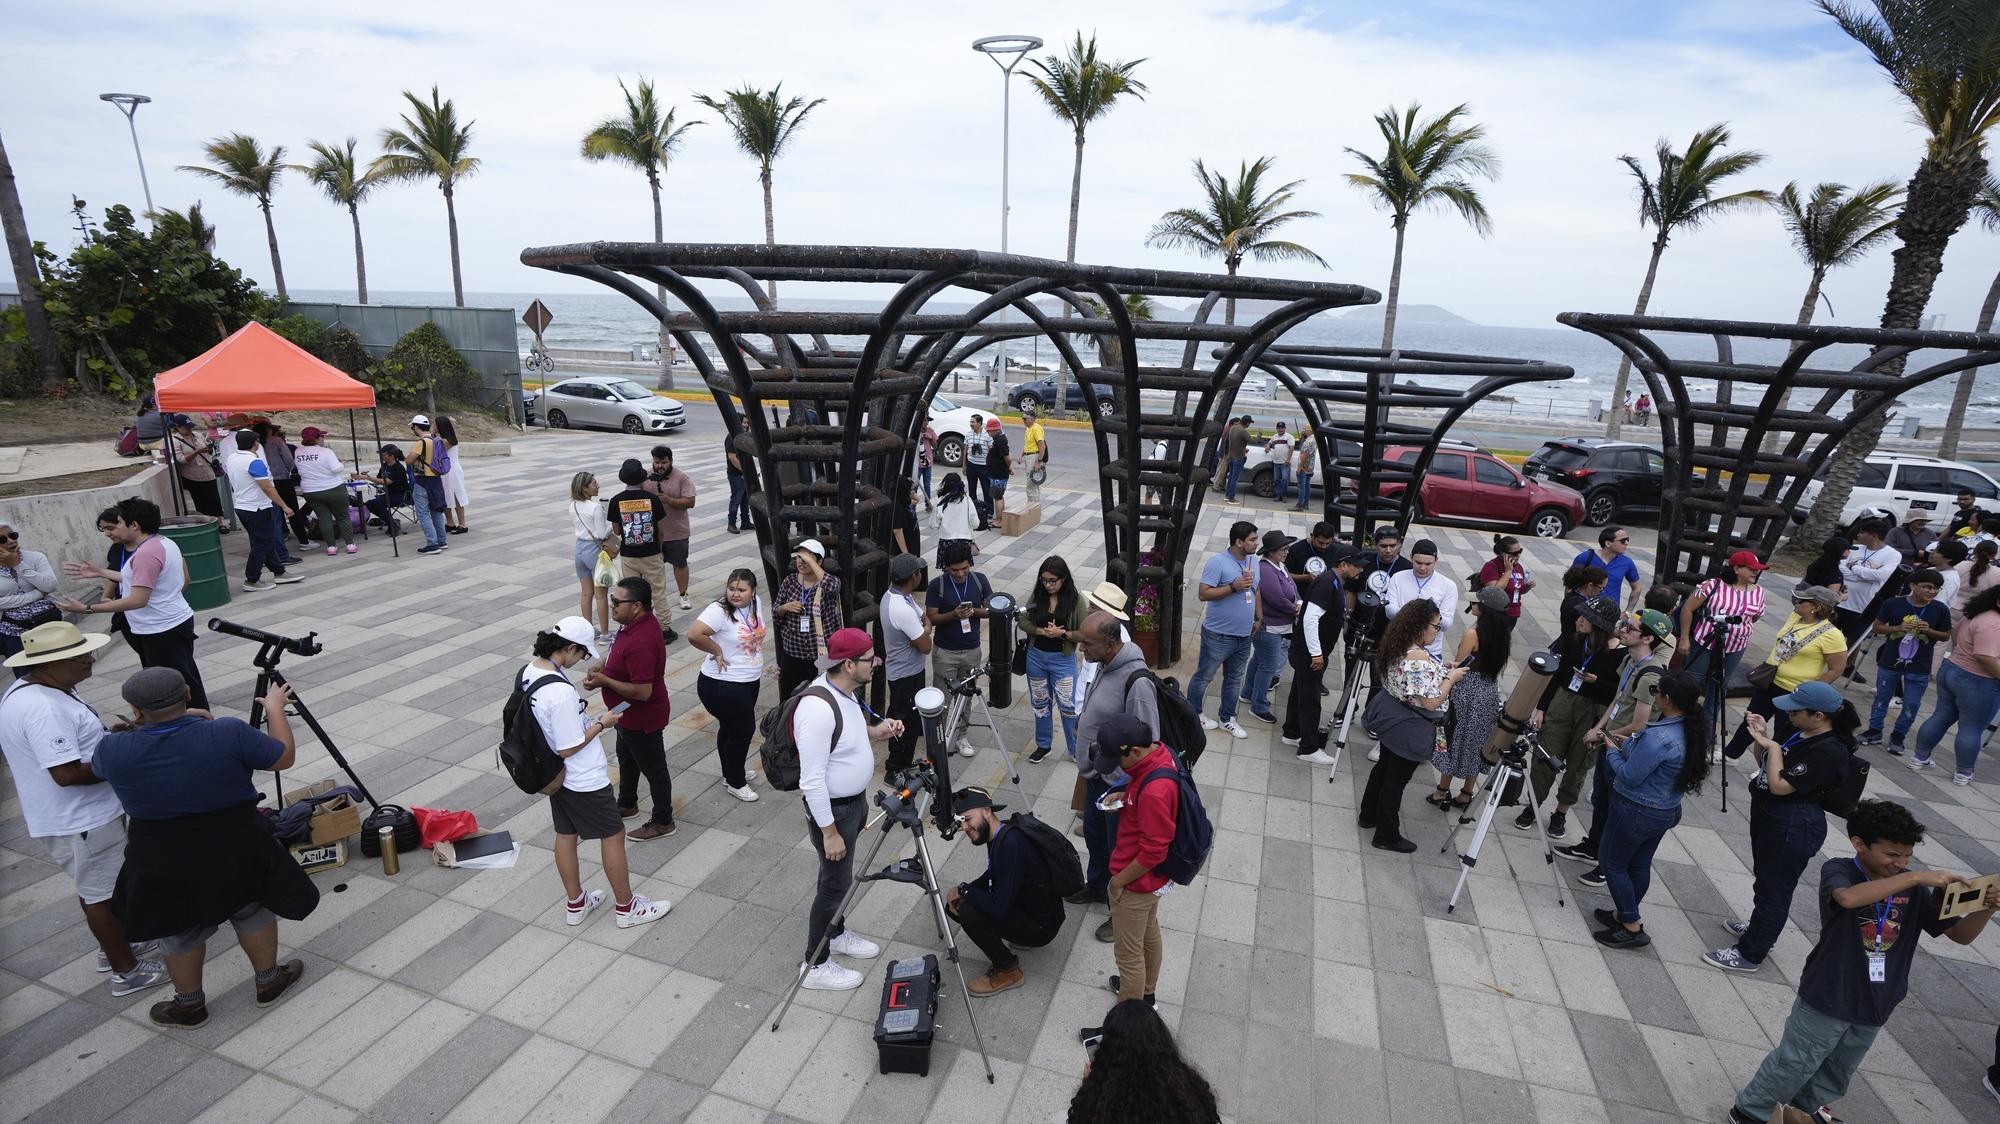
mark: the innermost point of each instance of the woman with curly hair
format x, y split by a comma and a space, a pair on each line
1407, 717
1137, 1073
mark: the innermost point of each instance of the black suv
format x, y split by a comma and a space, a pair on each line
1613, 476
1039, 393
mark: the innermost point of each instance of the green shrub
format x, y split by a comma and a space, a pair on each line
304, 331
422, 367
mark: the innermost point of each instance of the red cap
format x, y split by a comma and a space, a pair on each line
845, 644
1747, 558
992, 424
311, 433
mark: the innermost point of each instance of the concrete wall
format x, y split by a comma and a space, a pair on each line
63, 525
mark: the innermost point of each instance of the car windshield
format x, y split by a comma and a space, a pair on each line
942, 405
630, 391
1563, 456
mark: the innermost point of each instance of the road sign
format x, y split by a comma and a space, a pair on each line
537, 318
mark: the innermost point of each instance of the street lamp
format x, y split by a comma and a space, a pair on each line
129, 104
1006, 51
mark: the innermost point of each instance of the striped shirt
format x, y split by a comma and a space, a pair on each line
1725, 600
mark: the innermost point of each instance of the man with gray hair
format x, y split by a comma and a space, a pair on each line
1122, 686
197, 852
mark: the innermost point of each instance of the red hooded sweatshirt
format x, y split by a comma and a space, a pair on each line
1146, 822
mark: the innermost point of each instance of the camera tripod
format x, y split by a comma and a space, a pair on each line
1715, 688
958, 720
1360, 657
1512, 768
271, 647
903, 808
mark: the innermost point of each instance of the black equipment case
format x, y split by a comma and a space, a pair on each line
904, 1027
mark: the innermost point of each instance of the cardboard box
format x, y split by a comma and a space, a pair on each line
317, 857
332, 821
1013, 522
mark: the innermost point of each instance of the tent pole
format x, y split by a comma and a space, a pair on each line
395, 540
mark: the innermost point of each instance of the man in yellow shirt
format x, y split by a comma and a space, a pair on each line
1033, 452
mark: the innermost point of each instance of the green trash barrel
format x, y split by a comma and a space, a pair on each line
201, 554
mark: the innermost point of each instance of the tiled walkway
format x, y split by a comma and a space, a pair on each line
1309, 976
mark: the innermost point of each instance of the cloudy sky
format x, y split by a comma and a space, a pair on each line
906, 148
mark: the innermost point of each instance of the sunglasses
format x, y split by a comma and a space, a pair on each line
12, 536
1513, 554
623, 600
1621, 540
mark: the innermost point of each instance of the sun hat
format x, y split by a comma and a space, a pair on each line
1810, 695
56, 640
1275, 541
812, 545
1109, 598
155, 689
577, 631
1747, 558
845, 644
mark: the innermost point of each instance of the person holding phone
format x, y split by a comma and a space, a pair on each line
634, 683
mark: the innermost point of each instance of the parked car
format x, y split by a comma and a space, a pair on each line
1467, 484
1904, 482
611, 402
952, 422
528, 407
1037, 395
1257, 468
1613, 476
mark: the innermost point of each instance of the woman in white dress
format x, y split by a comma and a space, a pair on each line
454, 480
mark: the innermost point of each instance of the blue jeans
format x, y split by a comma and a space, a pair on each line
1889, 683
431, 521
1814, 1060
1268, 649
1967, 699
1052, 688
265, 529
739, 502
1305, 491
1235, 474
923, 475
1784, 839
1281, 479
1232, 655
1697, 664
1100, 833
1632, 832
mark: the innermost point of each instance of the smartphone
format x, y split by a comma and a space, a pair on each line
619, 709
1090, 1046
1111, 801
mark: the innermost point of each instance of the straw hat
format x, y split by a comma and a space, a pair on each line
53, 642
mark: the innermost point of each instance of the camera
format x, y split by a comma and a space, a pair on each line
1732, 619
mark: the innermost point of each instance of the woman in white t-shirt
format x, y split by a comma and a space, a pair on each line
584, 807
323, 487
594, 535
731, 630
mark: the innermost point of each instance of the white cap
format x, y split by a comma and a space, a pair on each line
423, 422
814, 545
577, 631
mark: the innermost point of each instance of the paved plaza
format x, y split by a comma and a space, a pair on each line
1309, 976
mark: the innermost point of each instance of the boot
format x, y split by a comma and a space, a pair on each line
996, 980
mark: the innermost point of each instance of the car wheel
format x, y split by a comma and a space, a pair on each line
951, 451
1260, 483
1026, 402
633, 424
558, 419
1106, 406
1600, 508
1549, 523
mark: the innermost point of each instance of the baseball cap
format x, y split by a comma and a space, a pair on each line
311, 433
845, 644
966, 799
1117, 732
1601, 612
903, 565
1747, 558
1816, 593
155, 688
420, 421
1654, 623
813, 545
1491, 599
1810, 695
992, 425
577, 631
1349, 554
1110, 598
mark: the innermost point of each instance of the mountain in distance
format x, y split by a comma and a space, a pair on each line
1248, 310
1410, 314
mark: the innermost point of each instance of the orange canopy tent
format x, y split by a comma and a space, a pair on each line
258, 369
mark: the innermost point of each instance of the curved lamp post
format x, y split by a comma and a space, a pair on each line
1006, 51
129, 104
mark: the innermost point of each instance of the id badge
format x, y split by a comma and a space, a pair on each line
1878, 967
1576, 683
965, 626
805, 623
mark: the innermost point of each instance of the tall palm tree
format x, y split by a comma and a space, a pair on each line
432, 144
1943, 56
336, 173
762, 126
1235, 221
243, 166
1679, 193
1110, 352
1834, 227
1987, 209
27, 276
646, 139
190, 226
1425, 164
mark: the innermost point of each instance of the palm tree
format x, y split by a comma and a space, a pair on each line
432, 143
335, 172
1235, 221
1426, 164
1679, 193
762, 126
646, 139
1833, 227
1987, 209
1944, 57
241, 165
1110, 352
190, 226
27, 276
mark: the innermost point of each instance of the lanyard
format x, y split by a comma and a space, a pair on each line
1882, 910
962, 592
1424, 582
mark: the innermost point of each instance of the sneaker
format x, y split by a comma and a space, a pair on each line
353, 549
331, 551
1577, 852
431, 549
1961, 779
1729, 960
1316, 757
746, 794
1736, 928
1104, 932
1526, 819
641, 910
1621, 937
1289, 740
1087, 896
965, 748
851, 943
995, 981
1593, 878
829, 976
289, 579
576, 913
1824, 1116
646, 832
1919, 762
289, 973
631, 813
168, 1013
685, 603
1558, 824
1375, 753
1040, 755
1208, 723
1870, 736
144, 974
258, 587
1236, 731
1895, 749
145, 951
1265, 717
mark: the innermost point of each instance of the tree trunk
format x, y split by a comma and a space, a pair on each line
1961, 396
360, 262
451, 222
1061, 404
1395, 288
666, 380
770, 226
1806, 311
27, 276
1936, 204
1617, 411
1229, 306
271, 235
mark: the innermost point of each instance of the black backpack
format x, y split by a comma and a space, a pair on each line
780, 752
524, 750
1842, 797
1194, 835
1065, 871
1180, 722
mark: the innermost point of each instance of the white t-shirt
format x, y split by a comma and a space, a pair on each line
828, 773
244, 468
1442, 592
157, 564
319, 468
559, 709
741, 638
588, 520
41, 727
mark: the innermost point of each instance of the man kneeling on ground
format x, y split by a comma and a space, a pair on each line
1014, 902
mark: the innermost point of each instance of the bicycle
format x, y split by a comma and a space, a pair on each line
539, 360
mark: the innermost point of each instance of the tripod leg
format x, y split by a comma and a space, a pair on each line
936, 896
1548, 848
325, 741
1501, 776
1006, 759
839, 922
1348, 696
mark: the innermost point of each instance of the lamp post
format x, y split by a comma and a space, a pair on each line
1006, 51
129, 104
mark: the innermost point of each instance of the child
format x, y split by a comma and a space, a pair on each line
394, 480
1908, 625
1860, 969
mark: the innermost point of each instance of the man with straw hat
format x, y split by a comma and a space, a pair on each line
50, 736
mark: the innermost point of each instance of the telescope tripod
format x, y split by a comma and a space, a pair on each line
1360, 655
958, 721
1512, 768
269, 676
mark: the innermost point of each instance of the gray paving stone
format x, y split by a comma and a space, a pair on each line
434, 1089
1281, 984
702, 1052
47, 1032
741, 929
1423, 1090
1349, 1082
1219, 978
1396, 940
1280, 1088
444, 962
1284, 918
1494, 1100
133, 1075
1215, 1045
1619, 1060
656, 1098
1412, 1023
187, 1094
370, 924
1649, 991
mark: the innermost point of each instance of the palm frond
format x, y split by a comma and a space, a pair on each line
761, 124
1428, 163
642, 137
240, 164
430, 144
1236, 219
337, 172
1079, 87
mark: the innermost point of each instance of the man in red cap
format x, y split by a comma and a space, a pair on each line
999, 467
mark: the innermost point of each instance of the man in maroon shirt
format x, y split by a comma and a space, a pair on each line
635, 672
677, 492
1146, 820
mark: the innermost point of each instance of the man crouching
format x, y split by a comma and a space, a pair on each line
1014, 902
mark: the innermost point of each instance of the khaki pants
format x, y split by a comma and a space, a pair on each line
1135, 933
653, 568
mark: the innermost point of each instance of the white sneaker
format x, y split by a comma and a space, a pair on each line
965, 748
685, 603
145, 974
640, 910
351, 549
1375, 754
851, 943
1208, 723
746, 794
289, 578
1235, 731
591, 900
258, 587
1961, 778
1316, 757
144, 951
829, 976
1289, 741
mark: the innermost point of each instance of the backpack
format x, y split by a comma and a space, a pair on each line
524, 750
1180, 722
1065, 872
780, 753
1194, 836
1842, 797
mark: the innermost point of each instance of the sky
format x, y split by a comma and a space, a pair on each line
905, 150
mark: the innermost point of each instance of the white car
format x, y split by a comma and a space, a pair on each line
952, 423
610, 402
1903, 482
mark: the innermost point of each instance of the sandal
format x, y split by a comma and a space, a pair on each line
1439, 798
1462, 800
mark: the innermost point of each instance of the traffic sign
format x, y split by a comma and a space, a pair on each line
537, 318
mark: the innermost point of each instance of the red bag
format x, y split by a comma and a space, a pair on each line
442, 827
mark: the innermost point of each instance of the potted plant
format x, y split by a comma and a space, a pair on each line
1146, 610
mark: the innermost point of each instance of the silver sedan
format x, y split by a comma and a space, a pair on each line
610, 402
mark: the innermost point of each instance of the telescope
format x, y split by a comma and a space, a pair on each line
306, 645
1535, 676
